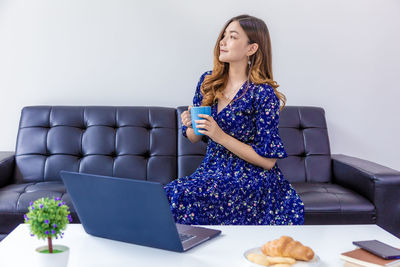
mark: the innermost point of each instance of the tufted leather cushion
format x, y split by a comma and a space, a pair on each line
15, 198
130, 142
305, 136
333, 204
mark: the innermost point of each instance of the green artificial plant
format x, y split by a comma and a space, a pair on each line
47, 219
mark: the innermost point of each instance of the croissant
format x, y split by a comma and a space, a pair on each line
287, 247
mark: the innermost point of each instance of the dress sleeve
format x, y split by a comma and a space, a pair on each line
267, 142
197, 98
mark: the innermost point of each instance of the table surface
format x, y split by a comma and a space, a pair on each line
327, 241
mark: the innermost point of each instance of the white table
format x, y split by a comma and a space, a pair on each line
327, 241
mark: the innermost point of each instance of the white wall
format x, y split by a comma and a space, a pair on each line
340, 55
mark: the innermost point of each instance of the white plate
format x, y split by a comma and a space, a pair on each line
314, 262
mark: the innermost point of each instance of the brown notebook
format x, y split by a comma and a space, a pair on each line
364, 258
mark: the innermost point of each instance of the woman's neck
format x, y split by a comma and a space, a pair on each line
237, 72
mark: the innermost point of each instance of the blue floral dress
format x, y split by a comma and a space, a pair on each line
226, 189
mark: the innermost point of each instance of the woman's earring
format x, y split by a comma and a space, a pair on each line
249, 62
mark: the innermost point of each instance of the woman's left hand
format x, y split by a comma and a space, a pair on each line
211, 127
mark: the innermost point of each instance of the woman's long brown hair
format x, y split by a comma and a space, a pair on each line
260, 67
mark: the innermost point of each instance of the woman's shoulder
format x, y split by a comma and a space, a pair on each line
264, 90
200, 82
202, 78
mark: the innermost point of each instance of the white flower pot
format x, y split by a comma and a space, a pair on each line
52, 259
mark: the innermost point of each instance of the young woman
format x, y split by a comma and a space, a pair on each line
238, 181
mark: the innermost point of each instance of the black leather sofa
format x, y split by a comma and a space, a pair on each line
147, 143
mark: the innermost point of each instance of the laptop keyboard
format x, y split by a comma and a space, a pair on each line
185, 237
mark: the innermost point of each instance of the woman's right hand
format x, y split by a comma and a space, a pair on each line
186, 118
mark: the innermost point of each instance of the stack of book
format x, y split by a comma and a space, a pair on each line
360, 257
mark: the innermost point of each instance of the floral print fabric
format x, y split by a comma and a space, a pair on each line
226, 189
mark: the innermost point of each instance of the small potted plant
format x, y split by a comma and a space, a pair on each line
47, 219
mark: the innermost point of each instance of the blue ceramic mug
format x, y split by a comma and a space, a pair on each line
194, 113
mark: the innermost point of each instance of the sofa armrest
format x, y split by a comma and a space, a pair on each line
379, 184
7, 161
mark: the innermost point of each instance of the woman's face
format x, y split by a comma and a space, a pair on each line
234, 44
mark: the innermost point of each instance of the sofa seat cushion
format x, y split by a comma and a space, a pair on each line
15, 199
326, 203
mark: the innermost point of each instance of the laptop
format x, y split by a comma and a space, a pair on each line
129, 210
